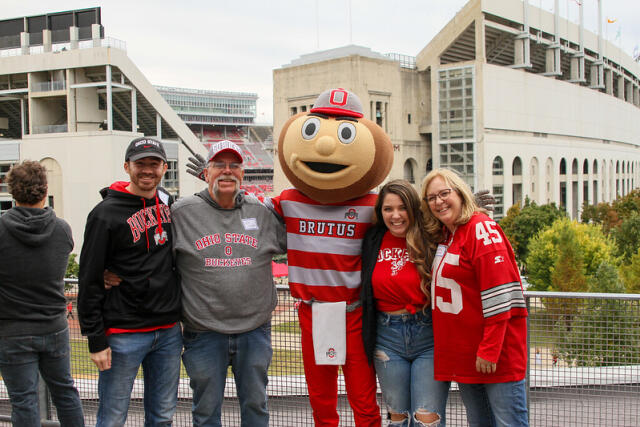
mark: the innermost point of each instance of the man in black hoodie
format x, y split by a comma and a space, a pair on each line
135, 323
34, 334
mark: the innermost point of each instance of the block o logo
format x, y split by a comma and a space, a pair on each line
338, 97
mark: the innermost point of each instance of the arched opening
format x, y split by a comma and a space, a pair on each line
498, 168
408, 171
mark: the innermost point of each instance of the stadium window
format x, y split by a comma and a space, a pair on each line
4, 170
516, 167
303, 108
409, 118
5, 205
170, 180
497, 166
50, 200
294, 111
563, 167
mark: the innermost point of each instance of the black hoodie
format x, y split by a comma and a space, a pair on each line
35, 247
129, 236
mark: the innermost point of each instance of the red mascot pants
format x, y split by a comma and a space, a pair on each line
322, 380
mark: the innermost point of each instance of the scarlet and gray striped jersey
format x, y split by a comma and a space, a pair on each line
478, 305
324, 244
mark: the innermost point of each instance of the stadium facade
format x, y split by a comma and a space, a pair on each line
515, 98
72, 99
216, 115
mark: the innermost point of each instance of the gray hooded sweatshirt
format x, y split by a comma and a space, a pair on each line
35, 247
223, 257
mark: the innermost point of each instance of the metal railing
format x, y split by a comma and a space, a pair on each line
66, 46
49, 86
584, 368
50, 129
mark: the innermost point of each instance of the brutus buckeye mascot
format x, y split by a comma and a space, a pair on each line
334, 158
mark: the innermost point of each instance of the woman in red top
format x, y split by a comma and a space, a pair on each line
397, 331
479, 312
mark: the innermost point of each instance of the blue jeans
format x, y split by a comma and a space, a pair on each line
20, 359
404, 364
159, 354
499, 404
207, 355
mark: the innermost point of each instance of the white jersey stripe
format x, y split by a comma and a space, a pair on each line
321, 244
333, 278
301, 210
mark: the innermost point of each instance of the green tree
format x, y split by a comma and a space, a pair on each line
522, 224
567, 274
627, 236
611, 215
604, 332
630, 273
546, 248
72, 270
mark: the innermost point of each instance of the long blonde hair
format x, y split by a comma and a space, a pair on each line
420, 252
433, 226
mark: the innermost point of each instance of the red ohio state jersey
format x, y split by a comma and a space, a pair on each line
478, 305
324, 244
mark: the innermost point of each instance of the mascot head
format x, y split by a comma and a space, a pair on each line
332, 154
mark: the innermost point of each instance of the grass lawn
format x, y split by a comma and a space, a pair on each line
291, 327
284, 362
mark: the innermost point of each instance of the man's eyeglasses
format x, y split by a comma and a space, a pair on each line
442, 195
224, 165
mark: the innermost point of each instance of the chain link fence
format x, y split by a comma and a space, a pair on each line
584, 368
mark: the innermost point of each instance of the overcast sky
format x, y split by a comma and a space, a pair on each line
235, 44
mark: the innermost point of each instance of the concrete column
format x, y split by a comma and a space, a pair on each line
575, 68
72, 125
23, 116
109, 89
608, 81
95, 35
46, 40
550, 60
620, 93
580, 190
74, 37
159, 126
481, 54
569, 188
24, 43
507, 186
134, 110
541, 182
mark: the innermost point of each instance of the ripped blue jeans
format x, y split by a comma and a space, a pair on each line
404, 365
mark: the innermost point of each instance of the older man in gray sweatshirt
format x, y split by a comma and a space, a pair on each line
223, 245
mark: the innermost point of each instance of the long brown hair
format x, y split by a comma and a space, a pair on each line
420, 252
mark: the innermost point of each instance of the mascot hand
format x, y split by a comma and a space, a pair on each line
196, 166
485, 200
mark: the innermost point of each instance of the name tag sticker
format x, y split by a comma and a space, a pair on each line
441, 250
250, 223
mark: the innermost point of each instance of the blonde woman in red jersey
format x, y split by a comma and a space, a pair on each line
479, 312
397, 331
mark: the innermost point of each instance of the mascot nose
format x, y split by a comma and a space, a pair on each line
325, 145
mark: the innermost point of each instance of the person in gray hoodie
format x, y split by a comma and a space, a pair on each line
223, 246
34, 334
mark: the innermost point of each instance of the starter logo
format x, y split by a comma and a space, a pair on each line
351, 214
331, 353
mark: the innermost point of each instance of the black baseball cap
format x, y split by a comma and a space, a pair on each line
144, 147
